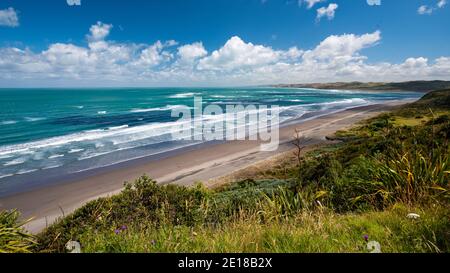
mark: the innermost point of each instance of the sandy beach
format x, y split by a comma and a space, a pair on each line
203, 163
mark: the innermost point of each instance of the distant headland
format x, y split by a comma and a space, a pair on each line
420, 86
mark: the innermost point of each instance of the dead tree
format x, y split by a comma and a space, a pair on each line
297, 142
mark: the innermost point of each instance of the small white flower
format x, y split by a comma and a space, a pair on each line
73, 247
413, 216
374, 247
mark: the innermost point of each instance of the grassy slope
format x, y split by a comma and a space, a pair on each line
320, 231
384, 169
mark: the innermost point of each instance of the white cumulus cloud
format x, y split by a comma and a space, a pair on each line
425, 9
74, 2
342, 46
9, 18
329, 11
165, 63
310, 3
374, 2
441, 3
192, 51
99, 31
238, 54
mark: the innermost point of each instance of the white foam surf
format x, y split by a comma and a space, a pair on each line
166, 108
184, 95
33, 119
8, 122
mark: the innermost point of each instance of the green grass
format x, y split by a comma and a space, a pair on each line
305, 232
401, 121
13, 239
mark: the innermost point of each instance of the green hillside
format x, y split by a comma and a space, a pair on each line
420, 86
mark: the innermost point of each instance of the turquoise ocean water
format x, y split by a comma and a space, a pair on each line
52, 133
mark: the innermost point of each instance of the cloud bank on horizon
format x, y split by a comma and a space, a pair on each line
104, 62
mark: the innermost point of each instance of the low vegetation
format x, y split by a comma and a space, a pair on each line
333, 199
12, 236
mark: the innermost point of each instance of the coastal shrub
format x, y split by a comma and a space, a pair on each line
412, 177
169, 203
13, 239
244, 196
378, 182
142, 203
287, 203
413, 169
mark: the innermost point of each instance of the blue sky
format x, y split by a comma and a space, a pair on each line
404, 29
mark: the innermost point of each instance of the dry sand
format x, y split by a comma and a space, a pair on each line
205, 163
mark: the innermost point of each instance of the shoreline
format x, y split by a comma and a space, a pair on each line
199, 163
